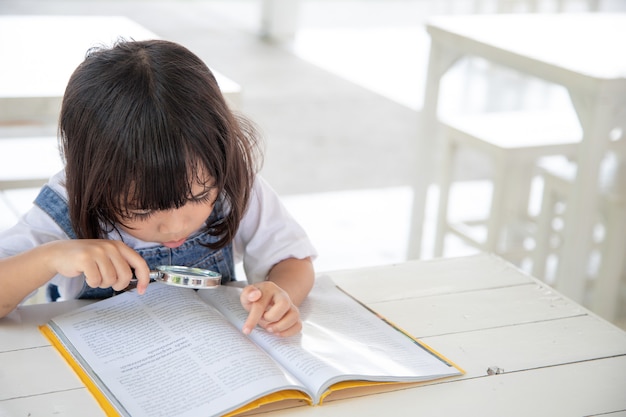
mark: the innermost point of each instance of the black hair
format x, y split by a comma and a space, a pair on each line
141, 123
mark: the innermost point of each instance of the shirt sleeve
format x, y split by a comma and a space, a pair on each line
33, 229
268, 234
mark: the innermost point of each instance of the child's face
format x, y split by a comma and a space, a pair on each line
172, 227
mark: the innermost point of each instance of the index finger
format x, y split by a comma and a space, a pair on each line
254, 316
139, 267
138, 281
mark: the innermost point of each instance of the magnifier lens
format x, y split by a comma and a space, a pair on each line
188, 277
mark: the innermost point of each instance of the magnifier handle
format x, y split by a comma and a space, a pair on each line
154, 276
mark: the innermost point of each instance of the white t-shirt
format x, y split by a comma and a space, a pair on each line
267, 235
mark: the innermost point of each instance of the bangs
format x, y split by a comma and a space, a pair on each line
162, 186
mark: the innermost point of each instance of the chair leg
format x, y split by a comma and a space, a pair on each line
606, 293
445, 180
516, 199
496, 213
544, 228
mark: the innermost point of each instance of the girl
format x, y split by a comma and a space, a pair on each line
157, 171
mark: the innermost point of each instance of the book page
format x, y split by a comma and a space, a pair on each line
166, 353
340, 340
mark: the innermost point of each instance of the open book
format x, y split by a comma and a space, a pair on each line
179, 352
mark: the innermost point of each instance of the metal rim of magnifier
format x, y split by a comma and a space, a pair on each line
183, 276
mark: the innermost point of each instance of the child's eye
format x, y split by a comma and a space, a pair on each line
204, 197
139, 214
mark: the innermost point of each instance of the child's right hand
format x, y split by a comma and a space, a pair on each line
104, 263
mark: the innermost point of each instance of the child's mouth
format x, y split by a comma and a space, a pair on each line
174, 244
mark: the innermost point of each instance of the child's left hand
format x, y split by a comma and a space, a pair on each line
270, 307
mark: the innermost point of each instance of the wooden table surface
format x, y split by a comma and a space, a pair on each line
556, 357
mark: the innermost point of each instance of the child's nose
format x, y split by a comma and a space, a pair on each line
172, 222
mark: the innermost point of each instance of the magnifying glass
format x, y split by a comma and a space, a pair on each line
184, 276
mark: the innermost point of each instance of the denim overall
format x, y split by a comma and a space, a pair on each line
191, 253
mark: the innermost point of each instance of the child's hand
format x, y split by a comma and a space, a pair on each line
105, 263
270, 307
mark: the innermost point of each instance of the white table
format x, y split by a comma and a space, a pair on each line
558, 358
582, 52
28, 162
39, 53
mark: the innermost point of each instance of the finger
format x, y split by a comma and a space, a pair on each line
92, 275
108, 273
290, 331
287, 321
123, 274
143, 277
280, 306
134, 262
253, 300
249, 295
91, 281
254, 316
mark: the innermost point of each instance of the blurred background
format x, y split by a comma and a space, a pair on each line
336, 88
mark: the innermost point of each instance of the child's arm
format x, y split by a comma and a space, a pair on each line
105, 263
273, 304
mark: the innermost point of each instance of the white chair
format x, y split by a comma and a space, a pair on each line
607, 262
513, 142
